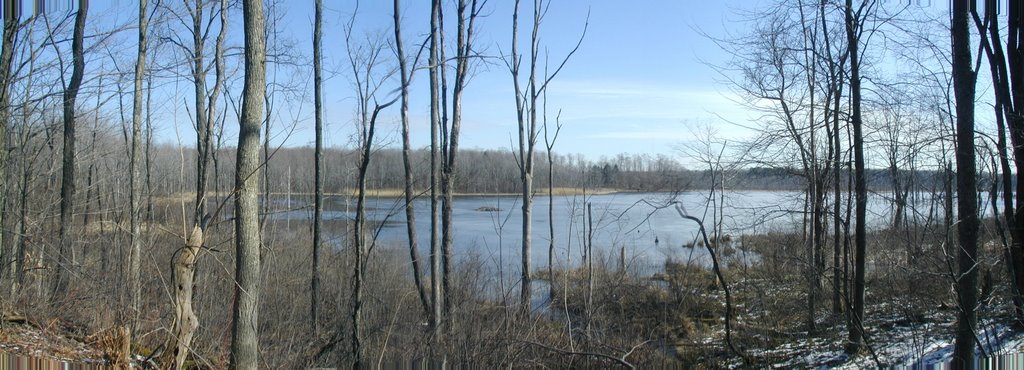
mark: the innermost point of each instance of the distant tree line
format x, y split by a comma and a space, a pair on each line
489, 171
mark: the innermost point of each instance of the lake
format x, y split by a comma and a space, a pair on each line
645, 227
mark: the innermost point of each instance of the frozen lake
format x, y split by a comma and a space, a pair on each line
646, 227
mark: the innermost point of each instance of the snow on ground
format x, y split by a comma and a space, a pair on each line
895, 342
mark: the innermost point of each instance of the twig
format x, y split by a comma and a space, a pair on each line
721, 280
619, 360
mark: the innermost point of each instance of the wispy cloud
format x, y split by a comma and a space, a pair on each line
660, 135
633, 90
603, 100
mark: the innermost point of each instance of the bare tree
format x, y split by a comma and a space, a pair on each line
203, 123
185, 321
834, 94
244, 336
549, 144
28, 159
527, 122
435, 181
318, 165
1006, 64
365, 63
66, 254
450, 142
10, 28
529, 130
853, 31
135, 188
410, 212
781, 64
964, 79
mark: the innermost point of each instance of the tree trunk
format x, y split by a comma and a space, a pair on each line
318, 167
1008, 80
589, 257
6, 60
244, 338
832, 101
361, 248
185, 321
526, 116
525, 156
135, 188
856, 328
435, 185
202, 118
1012, 90
550, 143
211, 106
464, 52
410, 212
966, 182
837, 237
149, 146
66, 254
718, 275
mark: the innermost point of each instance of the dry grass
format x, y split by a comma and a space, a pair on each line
677, 315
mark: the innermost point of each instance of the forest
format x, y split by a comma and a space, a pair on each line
154, 214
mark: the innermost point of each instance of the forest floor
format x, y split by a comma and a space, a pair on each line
53, 343
910, 318
895, 340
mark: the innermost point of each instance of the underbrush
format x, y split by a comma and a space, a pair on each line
613, 315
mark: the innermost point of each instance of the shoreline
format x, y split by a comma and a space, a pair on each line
396, 193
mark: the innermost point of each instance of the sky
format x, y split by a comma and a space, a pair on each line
641, 81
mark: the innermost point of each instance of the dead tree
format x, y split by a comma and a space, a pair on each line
718, 274
185, 322
179, 340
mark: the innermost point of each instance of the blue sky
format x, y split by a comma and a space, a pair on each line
640, 82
